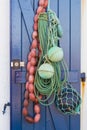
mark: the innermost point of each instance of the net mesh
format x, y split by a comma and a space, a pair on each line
68, 100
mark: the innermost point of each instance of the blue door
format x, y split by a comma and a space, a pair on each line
22, 13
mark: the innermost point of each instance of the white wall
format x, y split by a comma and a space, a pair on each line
4, 63
84, 62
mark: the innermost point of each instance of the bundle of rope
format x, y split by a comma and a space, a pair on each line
48, 36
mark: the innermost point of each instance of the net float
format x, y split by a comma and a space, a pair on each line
36, 18
32, 97
32, 70
39, 10
31, 79
41, 2
46, 3
35, 26
55, 54
34, 35
31, 88
46, 71
37, 108
34, 53
34, 43
37, 118
25, 103
25, 111
33, 61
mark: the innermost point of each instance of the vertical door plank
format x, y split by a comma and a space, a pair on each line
25, 49
28, 15
16, 54
64, 7
75, 50
54, 6
64, 16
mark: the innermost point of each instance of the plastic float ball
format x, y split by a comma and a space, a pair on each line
31, 79
60, 31
46, 3
31, 88
37, 109
32, 97
55, 54
37, 118
34, 35
25, 103
32, 70
36, 18
41, 2
35, 26
34, 43
39, 10
25, 111
46, 71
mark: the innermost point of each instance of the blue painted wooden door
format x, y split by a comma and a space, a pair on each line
22, 13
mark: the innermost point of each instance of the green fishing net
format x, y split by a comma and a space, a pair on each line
68, 100
65, 97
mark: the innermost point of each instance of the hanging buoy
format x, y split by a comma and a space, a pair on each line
36, 18
39, 10
25, 103
31, 88
60, 31
55, 54
41, 2
35, 26
37, 118
25, 111
34, 44
46, 71
37, 108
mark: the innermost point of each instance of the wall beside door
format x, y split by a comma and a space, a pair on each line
84, 61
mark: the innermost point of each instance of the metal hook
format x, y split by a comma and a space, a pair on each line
5, 106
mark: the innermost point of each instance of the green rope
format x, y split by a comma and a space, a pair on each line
48, 36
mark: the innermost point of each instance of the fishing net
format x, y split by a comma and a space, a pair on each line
68, 100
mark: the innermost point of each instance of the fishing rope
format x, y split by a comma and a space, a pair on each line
47, 29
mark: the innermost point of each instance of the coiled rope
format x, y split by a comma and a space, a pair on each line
48, 36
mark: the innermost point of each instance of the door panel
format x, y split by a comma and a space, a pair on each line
22, 14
